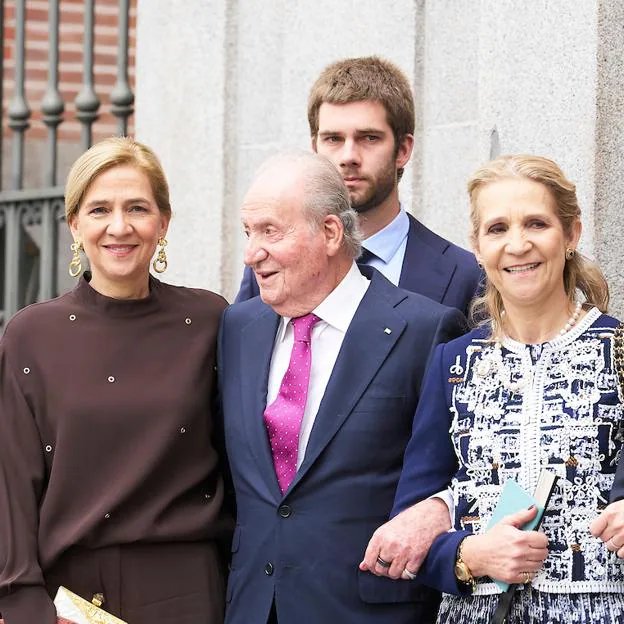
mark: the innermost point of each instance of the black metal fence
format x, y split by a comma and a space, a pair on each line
29, 218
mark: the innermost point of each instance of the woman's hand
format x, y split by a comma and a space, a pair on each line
505, 552
609, 527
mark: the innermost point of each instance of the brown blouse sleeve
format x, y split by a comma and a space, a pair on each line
23, 597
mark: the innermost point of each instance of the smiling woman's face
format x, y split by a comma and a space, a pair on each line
119, 224
521, 242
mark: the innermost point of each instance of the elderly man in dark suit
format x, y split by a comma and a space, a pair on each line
319, 379
361, 116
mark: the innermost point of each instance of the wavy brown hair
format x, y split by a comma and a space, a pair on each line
366, 78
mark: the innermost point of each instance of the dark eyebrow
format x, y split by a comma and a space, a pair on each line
97, 202
137, 200
106, 202
370, 131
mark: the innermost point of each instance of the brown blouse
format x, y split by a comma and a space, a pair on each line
105, 430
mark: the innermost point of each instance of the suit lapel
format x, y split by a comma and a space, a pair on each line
257, 342
371, 336
426, 270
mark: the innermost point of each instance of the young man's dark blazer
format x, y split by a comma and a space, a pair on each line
432, 266
300, 550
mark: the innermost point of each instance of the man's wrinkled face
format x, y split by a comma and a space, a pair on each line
285, 248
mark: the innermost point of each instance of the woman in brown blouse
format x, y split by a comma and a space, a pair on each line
109, 480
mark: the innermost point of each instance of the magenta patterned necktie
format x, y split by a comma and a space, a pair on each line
283, 417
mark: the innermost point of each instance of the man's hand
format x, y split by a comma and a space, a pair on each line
404, 541
609, 527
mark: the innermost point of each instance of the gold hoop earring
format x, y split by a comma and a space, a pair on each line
160, 262
75, 264
570, 253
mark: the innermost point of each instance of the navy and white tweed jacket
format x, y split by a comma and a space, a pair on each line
513, 409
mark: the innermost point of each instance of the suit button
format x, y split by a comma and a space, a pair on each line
284, 511
268, 569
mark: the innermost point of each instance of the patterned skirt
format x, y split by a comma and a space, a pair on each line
531, 606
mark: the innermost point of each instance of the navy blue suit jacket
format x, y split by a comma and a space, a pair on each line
301, 549
432, 266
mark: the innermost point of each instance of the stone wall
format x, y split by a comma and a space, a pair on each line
229, 85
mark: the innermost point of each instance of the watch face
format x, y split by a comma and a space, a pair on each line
462, 572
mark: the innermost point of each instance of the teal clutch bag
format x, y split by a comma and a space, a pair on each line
513, 499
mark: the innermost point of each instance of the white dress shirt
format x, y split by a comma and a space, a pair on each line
389, 245
336, 312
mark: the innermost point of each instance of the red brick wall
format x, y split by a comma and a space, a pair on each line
70, 63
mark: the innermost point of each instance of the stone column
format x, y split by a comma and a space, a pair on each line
222, 84
505, 76
181, 112
609, 146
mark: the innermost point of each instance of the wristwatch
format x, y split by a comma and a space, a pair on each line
462, 571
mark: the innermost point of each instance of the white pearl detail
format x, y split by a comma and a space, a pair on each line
188, 321
111, 379
572, 320
26, 370
72, 317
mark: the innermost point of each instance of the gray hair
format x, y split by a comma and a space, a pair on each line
324, 193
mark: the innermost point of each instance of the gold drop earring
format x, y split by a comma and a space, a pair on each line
75, 264
160, 262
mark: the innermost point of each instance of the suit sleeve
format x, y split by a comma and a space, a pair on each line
23, 596
248, 286
438, 569
429, 462
452, 325
230, 497
429, 465
617, 491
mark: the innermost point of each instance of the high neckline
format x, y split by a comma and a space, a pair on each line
110, 306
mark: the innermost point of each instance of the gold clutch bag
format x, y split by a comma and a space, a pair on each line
78, 610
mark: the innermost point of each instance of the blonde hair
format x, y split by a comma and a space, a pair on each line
109, 153
579, 273
368, 78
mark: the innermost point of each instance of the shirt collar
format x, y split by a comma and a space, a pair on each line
385, 243
338, 308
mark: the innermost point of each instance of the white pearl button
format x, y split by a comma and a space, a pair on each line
107, 516
182, 429
111, 379
188, 321
26, 370
72, 317
48, 448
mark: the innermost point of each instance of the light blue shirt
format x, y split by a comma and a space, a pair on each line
389, 246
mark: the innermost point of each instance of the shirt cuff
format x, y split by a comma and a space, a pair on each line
447, 498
